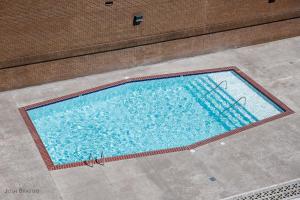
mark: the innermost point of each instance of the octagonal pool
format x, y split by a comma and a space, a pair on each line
149, 115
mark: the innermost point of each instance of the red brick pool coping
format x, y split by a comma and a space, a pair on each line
50, 165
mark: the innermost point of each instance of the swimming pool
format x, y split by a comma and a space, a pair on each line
148, 115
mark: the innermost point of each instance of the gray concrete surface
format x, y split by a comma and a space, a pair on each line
258, 157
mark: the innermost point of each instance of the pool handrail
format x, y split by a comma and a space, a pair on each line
224, 81
243, 97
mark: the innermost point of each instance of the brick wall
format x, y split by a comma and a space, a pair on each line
33, 31
38, 31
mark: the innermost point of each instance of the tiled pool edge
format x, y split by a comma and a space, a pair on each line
51, 166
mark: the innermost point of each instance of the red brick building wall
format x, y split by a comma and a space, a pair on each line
38, 31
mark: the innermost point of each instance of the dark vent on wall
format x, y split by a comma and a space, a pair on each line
109, 3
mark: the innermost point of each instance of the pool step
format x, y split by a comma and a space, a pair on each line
230, 113
215, 112
225, 103
222, 104
239, 107
214, 106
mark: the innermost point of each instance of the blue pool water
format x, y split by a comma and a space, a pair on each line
148, 115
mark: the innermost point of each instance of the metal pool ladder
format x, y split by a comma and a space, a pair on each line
91, 160
91, 164
102, 158
243, 97
224, 81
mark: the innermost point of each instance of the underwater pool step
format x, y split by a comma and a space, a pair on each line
228, 125
216, 87
215, 103
238, 108
235, 103
247, 112
226, 118
221, 103
225, 103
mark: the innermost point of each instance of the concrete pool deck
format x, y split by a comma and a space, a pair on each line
265, 155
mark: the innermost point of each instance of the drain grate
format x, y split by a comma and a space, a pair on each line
212, 178
283, 191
